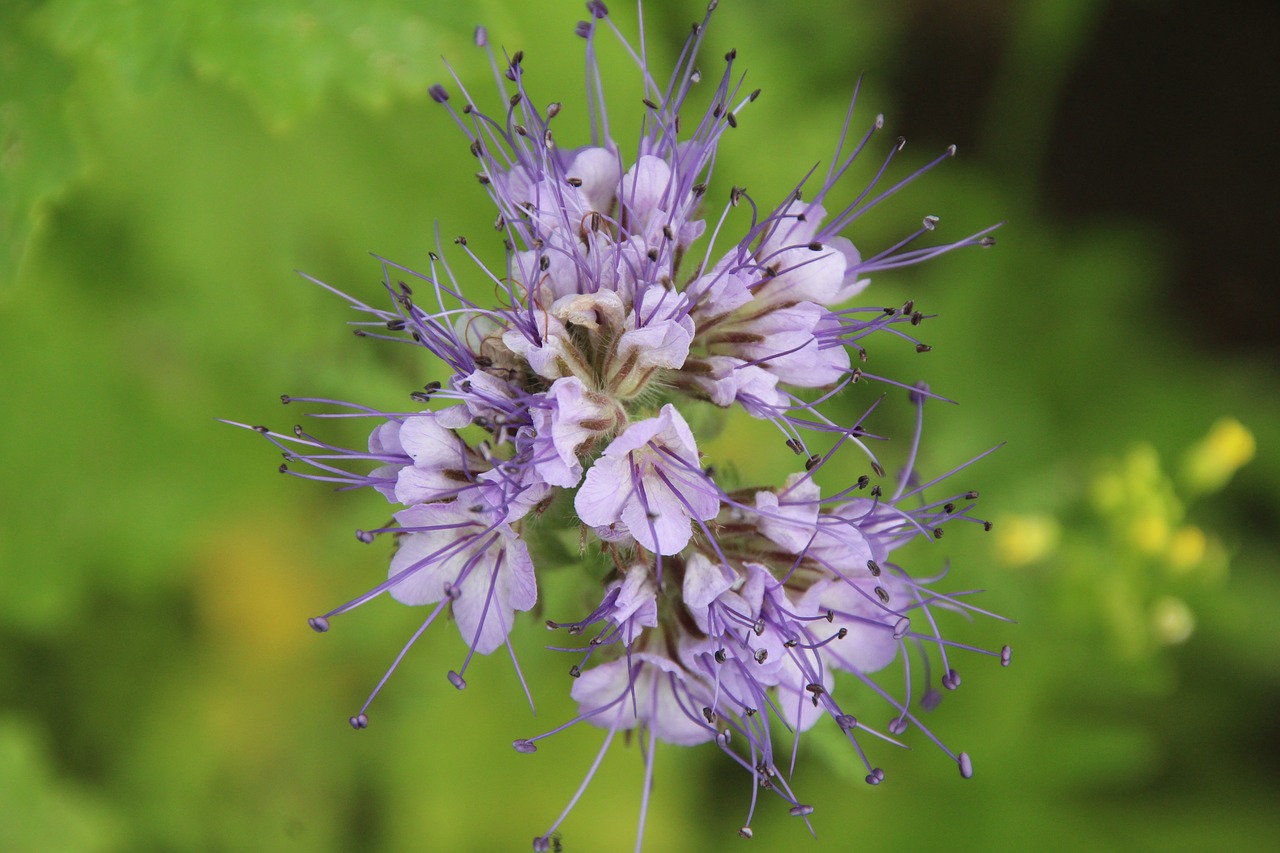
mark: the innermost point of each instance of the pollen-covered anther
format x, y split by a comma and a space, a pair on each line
745, 832
966, 766
320, 625
901, 627
897, 725
359, 721
800, 811
930, 223
525, 746
1006, 655
951, 680
875, 777
457, 680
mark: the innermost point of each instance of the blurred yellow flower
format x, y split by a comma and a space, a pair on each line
1024, 539
1212, 461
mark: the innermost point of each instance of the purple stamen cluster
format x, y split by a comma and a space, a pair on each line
724, 613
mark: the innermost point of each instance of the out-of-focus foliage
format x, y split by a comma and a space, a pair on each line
163, 166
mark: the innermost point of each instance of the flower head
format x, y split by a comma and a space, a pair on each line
725, 615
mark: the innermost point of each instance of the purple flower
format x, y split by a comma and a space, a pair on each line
724, 615
648, 485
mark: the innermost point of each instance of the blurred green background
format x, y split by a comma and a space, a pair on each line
165, 165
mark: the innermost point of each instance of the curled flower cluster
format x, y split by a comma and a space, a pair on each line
724, 613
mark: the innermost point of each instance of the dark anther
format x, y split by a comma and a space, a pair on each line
297, 430
650, 104
476, 148
908, 306
948, 508
553, 109
815, 246
431, 387
652, 255
882, 594
986, 525
923, 347
720, 656
758, 628
791, 644
573, 182
831, 616
735, 195
937, 533
890, 311
916, 317
987, 242
812, 462
971, 496
544, 263
575, 671
521, 130
286, 399
698, 190
761, 655
857, 374
753, 95
667, 234
709, 714
864, 481
842, 633
283, 469
731, 55
359, 333
878, 468
395, 325
876, 491
261, 429
438, 93
795, 446
595, 220
815, 689
874, 568
731, 119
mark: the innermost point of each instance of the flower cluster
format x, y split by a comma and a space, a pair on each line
724, 614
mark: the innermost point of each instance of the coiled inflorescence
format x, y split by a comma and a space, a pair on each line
725, 612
